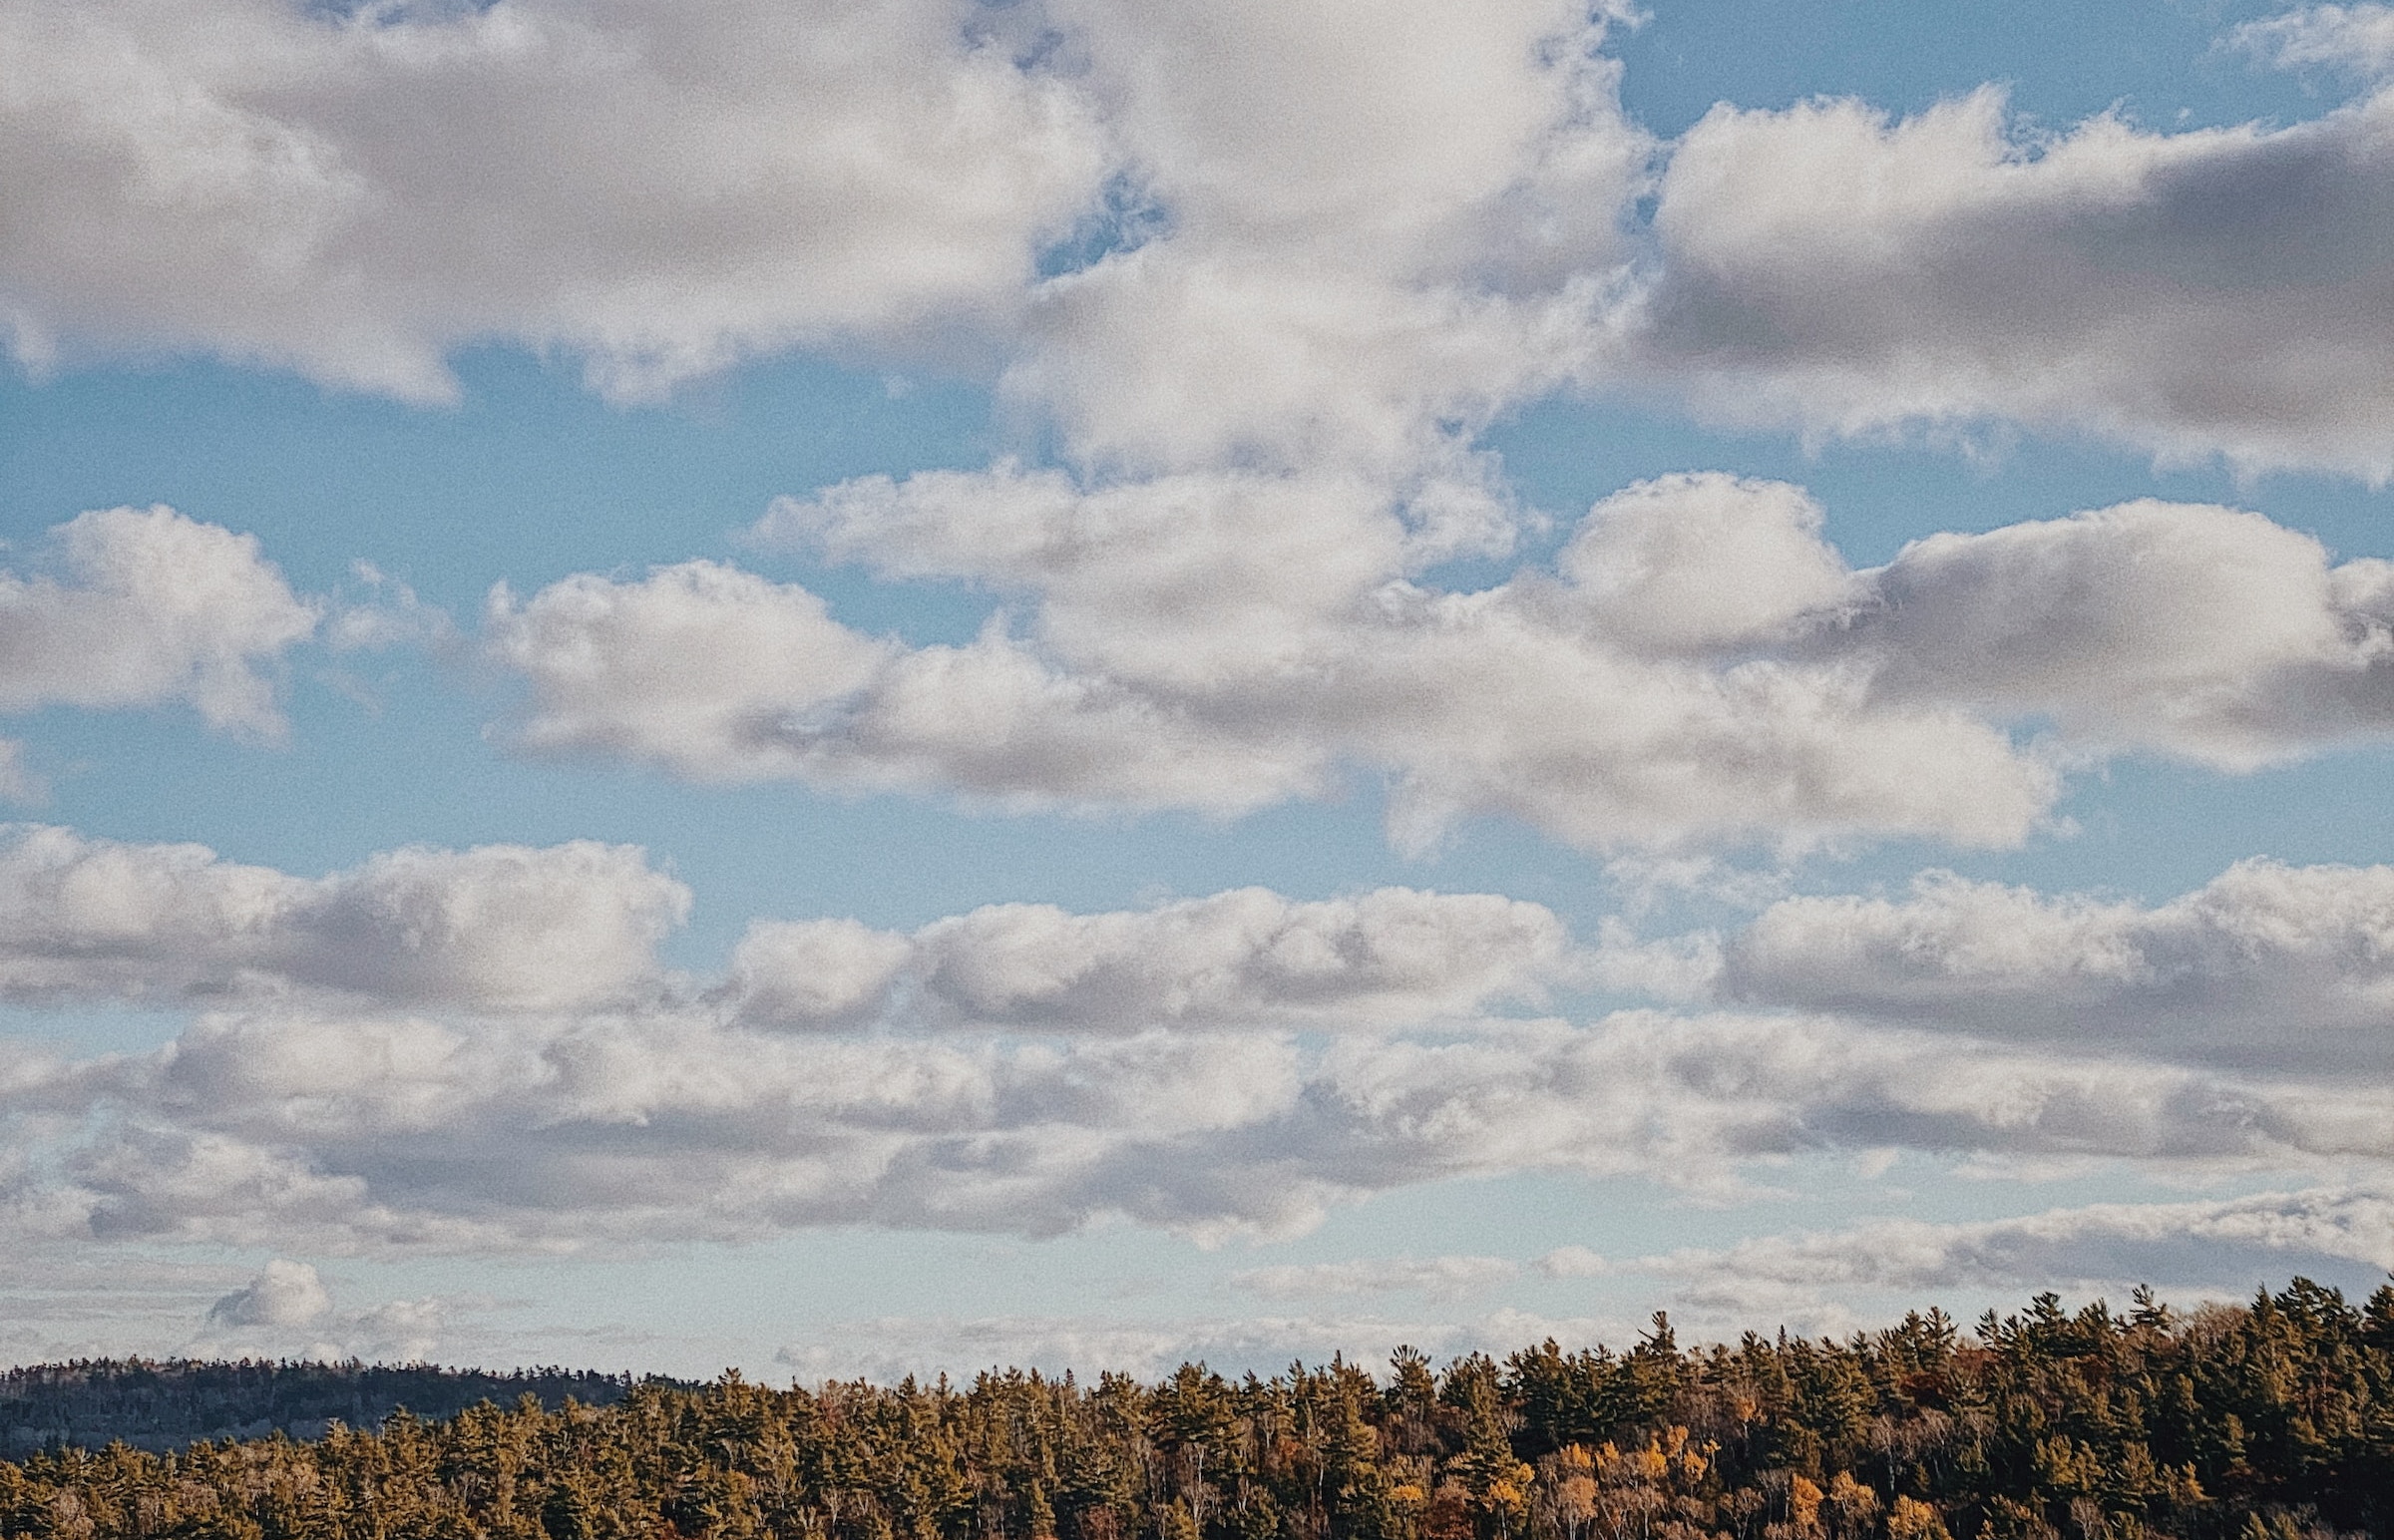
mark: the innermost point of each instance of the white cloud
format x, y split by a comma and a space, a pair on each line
1701, 669
2204, 631
659, 190
1339, 237
1248, 958
1225, 641
576, 927
2267, 968
497, 927
1704, 563
2359, 38
392, 615
283, 1294
696, 666
2197, 294
1437, 1278
151, 607
288, 1312
320, 1132
1381, 218
1339, 195
719, 675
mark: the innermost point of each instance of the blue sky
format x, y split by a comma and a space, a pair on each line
673, 701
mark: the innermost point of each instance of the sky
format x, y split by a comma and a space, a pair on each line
875, 687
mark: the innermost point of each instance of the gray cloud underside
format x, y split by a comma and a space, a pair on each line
2222, 291
322, 1132
479, 1049
2267, 969
575, 928
663, 193
501, 927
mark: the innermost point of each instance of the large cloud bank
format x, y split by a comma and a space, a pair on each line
353, 194
1187, 237
1698, 667
479, 1050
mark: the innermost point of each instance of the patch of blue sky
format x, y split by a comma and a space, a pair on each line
2163, 64
1128, 214
82, 1030
529, 479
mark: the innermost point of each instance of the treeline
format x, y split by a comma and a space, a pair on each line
164, 1404
2270, 1421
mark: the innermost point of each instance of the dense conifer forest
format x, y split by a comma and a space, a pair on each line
166, 1405
2271, 1420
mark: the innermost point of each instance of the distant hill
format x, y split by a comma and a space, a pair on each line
167, 1404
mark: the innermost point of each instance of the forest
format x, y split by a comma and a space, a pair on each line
2273, 1418
166, 1405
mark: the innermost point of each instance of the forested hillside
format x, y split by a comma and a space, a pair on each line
165, 1405
2275, 1420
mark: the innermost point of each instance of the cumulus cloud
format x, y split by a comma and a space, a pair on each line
2197, 294
2204, 632
283, 1294
476, 1050
717, 674
1699, 667
497, 927
698, 660
1355, 221
148, 608
352, 195
325, 1132
2265, 967
1246, 958
1375, 230
1184, 237
286, 1311
1705, 563
1377, 223
1225, 641
576, 927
